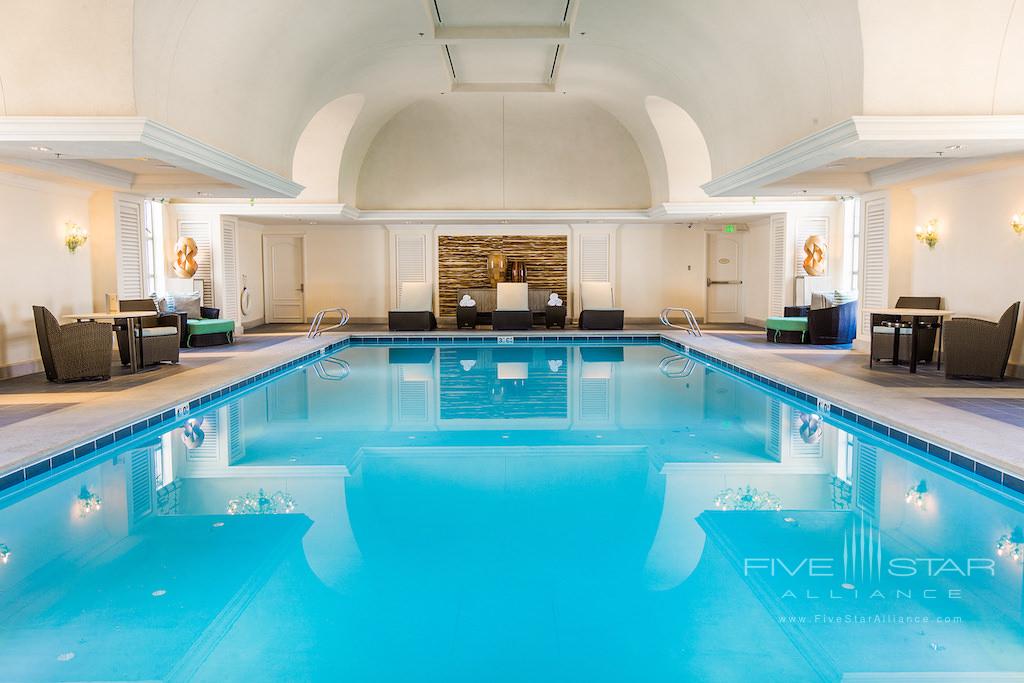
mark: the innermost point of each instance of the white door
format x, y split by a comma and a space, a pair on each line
284, 276
725, 284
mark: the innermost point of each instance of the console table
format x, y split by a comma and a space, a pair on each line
487, 300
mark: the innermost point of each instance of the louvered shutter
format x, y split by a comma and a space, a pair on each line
200, 232
773, 430
140, 484
229, 252
874, 289
594, 258
128, 227
865, 484
798, 448
777, 273
410, 260
236, 437
816, 225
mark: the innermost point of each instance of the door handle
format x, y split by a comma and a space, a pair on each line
302, 287
724, 282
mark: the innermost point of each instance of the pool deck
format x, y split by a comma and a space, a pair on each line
982, 420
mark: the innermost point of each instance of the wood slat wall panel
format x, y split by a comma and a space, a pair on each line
462, 262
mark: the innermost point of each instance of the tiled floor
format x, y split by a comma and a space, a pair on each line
1008, 410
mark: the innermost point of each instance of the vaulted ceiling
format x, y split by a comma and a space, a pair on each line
294, 86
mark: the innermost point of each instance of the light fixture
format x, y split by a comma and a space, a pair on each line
261, 504
74, 236
88, 502
928, 233
1017, 222
5, 553
1011, 545
916, 494
40, 148
747, 499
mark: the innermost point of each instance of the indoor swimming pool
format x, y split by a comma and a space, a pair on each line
614, 511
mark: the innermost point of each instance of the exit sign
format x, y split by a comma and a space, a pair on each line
729, 228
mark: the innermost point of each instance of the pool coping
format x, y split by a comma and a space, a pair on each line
825, 406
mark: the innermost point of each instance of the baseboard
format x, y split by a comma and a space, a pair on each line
254, 323
756, 322
28, 367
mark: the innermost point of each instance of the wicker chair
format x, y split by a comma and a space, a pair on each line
160, 334
882, 333
980, 348
73, 352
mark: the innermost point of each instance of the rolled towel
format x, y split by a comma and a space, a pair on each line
554, 299
466, 301
554, 365
467, 364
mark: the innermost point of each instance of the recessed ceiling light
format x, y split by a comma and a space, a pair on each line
956, 148
204, 194
40, 148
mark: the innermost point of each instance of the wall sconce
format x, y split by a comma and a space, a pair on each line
5, 553
916, 494
74, 236
1011, 544
1017, 223
928, 233
88, 502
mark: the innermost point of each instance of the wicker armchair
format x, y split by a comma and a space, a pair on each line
979, 348
73, 352
159, 334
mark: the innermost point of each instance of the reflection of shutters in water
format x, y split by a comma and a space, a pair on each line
140, 484
595, 399
865, 486
773, 433
412, 400
236, 442
207, 452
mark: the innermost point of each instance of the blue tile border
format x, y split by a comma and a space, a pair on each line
817, 404
963, 462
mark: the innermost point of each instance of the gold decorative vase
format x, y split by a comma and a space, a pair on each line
496, 267
517, 271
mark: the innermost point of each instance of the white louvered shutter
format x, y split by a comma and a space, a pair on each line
777, 272
595, 263
773, 430
141, 486
865, 484
128, 227
236, 435
200, 232
410, 261
229, 252
814, 225
874, 286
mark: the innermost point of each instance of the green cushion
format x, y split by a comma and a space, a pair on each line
794, 324
210, 326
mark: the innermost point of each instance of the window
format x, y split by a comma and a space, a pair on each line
152, 247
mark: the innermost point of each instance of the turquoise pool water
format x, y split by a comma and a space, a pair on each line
509, 513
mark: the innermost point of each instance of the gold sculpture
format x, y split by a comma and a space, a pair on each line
815, 248
496, 267
185, 250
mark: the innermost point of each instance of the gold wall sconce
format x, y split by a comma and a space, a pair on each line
928, 233
74, 236
1017, 223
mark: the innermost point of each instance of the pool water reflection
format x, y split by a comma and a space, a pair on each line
601, 513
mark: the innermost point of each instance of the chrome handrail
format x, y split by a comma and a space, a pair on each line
322, 373
691, 320
314, 327
668, 361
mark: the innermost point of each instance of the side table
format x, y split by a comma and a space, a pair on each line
465, 316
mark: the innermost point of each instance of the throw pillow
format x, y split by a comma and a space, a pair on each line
844, 297
188, 304
820, 300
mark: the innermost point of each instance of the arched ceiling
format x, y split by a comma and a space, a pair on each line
754, 75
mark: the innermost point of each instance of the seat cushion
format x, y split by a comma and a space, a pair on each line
513, 296
884, 329
415, 296
786, 324
597, 296
159, 331
210, 326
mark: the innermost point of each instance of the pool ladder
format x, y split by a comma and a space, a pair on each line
669, 369
691, 320
318, 319
340, 369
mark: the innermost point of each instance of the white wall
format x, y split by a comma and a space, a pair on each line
346, 265
756, 259
250, 270
38, 269
503, 151
977, 265
661, 265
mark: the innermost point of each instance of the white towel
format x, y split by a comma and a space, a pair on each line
466, 301
554, 365
467, 364
554, 299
